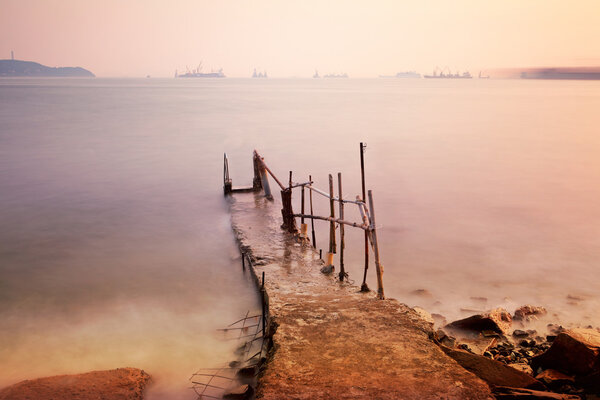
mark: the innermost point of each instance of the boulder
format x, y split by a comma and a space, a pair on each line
529, 313
511, 393
491, 371
497, 320
573, 352
116, 384
519, 333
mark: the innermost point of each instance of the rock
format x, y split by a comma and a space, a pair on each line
591, 383
554, 379
511, 393
328, 269
555, 329
242, 392
464, 346
116, 384
444, 339
523, 367
491, 371
529, 313
497, 320
421, 293
527, 343
519, 333
478, 345
574, 352
424, 314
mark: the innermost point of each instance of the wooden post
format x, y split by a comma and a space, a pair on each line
364, 287
312, 221
332, 247
378, 266
289, 222
342, 271
265, 182
256, 182
303, 226
227, 186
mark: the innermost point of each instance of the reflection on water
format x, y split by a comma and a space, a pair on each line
116, 248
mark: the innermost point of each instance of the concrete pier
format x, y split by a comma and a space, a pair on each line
333, 342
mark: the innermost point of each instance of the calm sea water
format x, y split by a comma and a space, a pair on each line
115, 240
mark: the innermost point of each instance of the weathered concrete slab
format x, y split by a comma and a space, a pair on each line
334, 342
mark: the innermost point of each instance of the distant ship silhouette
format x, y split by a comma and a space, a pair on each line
197, 73
448, 75
260, 74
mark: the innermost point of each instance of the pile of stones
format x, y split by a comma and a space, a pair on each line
559, 363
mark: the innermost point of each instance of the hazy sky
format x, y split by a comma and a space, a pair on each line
293, 38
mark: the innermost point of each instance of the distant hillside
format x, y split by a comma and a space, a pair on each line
30, 68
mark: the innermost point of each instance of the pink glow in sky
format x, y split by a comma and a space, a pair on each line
293, 38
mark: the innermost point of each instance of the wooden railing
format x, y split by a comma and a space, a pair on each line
367, 213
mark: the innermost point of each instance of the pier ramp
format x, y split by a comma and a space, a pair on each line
330, 340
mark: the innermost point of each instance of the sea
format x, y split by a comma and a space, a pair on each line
116, 248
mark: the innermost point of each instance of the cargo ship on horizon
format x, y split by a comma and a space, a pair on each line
448, 74
197, 73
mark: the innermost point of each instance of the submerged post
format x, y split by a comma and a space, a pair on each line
312, 221
303, 226
364, 287
378, 266
342, 271
289, 222
332, 248
256, 182
227, 186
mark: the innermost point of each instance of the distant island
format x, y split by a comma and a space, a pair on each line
30, 68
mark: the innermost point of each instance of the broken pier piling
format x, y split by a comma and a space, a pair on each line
261, 183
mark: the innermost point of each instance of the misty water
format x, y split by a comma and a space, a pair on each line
115, 242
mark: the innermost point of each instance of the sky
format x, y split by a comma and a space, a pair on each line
132, 38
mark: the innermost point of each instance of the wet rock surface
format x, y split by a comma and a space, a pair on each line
566, 362
493, 372
529, 313
497, 320
116, 384
332, 341
573, 352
